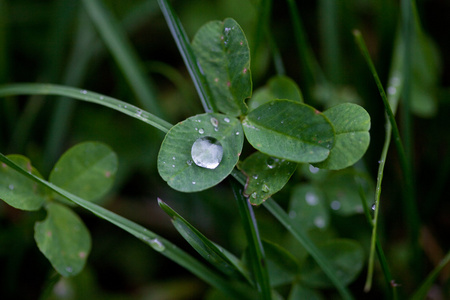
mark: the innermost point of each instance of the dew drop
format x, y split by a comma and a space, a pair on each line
319, 222
265, 188
311, 199
189, 162
255, 176
84, 92
193, 182
11, 187
270, 163
374, 206
101, 97
173, 158
237, 132
391, 90
313, 169
157, 245
254, 195
214, 122
173, 166
335, 205
207, 152
201, 131
292, 214
69, 269
227, 120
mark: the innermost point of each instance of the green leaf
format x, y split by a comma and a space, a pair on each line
265, 176
283, 267
63, 239
343, 192
290, 130
223, 54
308, 207
86, 170
346, 257
178, 167
214, 254
278, 87
17, 190
351, 123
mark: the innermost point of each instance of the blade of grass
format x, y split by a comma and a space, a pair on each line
124, 54
262, 25
329, 29
421, 292
182, 42
256, 250
390, 283
300, 236
412, 215
53, 89
312, 74
158, 243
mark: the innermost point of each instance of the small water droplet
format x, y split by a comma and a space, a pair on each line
253, 195
227, 120
265, 188
193, 182
335, 205
207, 152
319, 222
313, 169
201, 131
311, 198
374, 206
69, 269
84, 92
101, 97
173, 166
391, 90
189, 162
270, 163
237, 132
214, 122
216, 129
255, 176
11, 187
292, 214
157, 245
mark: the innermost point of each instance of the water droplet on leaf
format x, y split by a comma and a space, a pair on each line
11, 187
227, 120
157, 245
319, 222
374, 206
313, 169
214, 122
201, 131
207, 152
265, 188
311, 199
255, 176
335, 205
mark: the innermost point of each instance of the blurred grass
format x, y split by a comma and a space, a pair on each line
55, 41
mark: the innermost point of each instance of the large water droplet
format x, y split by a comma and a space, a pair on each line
207, 152
265, 188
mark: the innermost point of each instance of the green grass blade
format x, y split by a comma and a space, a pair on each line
3, 41
300, 236
412, 214
312, 74
52, 89
257, 257
421, 292
262, 25
158, 243
124, 54
182, 41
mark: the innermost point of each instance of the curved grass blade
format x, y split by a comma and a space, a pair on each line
182, 41
216, 255
53, 89
124, 54
158, 243
256, 250
286, 221
421, 292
